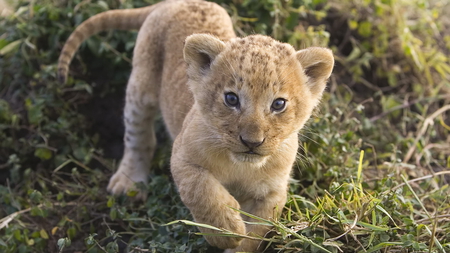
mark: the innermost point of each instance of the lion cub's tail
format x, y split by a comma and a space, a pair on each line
124, 19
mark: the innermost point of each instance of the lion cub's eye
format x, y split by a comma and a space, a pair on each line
278, 105
231, 99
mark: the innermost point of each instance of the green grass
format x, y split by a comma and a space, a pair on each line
374, 163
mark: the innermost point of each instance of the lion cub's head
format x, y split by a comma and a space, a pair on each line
254, 92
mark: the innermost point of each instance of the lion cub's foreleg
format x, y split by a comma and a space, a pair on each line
209, 202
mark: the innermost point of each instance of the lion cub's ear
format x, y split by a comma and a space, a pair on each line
200, 50
317, 64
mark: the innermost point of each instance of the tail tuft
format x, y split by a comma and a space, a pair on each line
62, 76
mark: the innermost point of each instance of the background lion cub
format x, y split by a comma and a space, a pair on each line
233, 105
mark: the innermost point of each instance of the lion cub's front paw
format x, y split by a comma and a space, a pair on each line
224, 242
235, 225
125, 179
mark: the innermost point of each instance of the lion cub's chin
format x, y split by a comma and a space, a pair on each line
253, 160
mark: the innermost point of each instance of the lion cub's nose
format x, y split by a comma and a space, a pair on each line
251, 143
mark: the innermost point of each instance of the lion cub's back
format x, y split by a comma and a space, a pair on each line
176, 20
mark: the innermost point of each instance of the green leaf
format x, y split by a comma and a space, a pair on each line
113, 213
111, 201
386, 212
103, 4
370, 226
18, 235
36, 196
63, 242
35, 111
3, 43
365, 28
43, 153
43, 234
112, 247
90, 240
30, 242
11, 47
353, 24
132, 193
381, 246
5, 111
71, 232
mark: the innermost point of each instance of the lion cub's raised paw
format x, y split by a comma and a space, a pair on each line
227, 219
225, 242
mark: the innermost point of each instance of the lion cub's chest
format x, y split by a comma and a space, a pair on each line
242, 190
247, 182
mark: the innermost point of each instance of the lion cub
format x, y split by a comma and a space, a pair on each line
233, 105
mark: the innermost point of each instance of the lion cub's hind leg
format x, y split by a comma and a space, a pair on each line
140, 110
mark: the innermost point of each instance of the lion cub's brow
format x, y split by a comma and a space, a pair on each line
258, 63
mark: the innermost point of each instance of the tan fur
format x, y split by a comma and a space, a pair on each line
223, 156
5, 8
114, 19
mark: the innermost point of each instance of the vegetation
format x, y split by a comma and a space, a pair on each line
372, 173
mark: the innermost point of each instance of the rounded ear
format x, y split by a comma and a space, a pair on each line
317, 63
200, 50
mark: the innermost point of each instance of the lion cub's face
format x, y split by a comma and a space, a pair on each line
254, 93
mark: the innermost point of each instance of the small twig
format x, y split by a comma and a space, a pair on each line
108, 46
407, 183
6, 220
428, 121
46, 147
141, 250
417, 179
430, 146
100, 246
433, 233
403, 106
435, 217
368, 84
347, 231
356, 240
369, 100
75, 9
104, 162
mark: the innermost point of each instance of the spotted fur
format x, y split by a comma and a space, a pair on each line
187, 64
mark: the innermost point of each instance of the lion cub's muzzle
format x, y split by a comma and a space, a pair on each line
251, 143
252, 137
253, 152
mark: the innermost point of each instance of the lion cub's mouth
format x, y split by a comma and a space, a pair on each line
251, 152
249, 157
